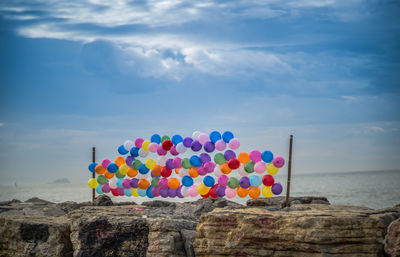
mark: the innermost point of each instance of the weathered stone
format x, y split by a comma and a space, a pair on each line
280, 201
37, 200
188, 237
392, 239
158, 203
103, 200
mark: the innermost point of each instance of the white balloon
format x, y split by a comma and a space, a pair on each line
180, 148
161, 160
241, 171
140, 175
196, 135
128, 144
183, 172
185, 191
143, 153
112, 183
217, 171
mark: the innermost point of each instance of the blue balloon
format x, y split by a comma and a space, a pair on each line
156, 138
143, 169
98, 190
255, 181
135, 151
119, 183
195, 161
148, 192
127, 192
142, 192
215, 136
112, 167
187, 181
227, 136
209, 181
122, 150
176, 139
267, 156
92, 166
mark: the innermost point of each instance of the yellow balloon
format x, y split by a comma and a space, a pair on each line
266, 191
123, 169
134, 192
271, 169
203, 189
92, 183
150, 163
145, 145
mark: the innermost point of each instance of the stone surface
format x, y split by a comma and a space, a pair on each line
392, 239
103, 200
301, 230
280, 201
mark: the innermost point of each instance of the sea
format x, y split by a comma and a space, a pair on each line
373, 189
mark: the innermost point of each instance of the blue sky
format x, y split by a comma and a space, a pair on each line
75, 74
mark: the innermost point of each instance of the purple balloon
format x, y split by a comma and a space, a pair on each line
244, 182
196, 146
171, 192
179, 192
126, 183
164, 192
120, 191
201, 170
220, 191
223, 180
276, 188
163, 183
209, 146
134, 182
209, 167
170, 164
204, 157
229, 154
129, 159
155, 191
187, 142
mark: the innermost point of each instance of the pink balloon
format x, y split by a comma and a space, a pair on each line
153, 147
106, 188
223, 180
220, 145
260, 167
278, 161
234, 143
201, 170
161, 151
173, 151
105, 163
230, 193
139, 142
203, 138
209, 166
177, 162
255, 156
193, 190
120, 191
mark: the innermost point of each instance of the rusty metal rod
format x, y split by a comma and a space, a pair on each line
289, 172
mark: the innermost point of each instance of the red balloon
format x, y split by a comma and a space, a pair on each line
234, 163
206, 195
268, 180
114, 191
213, 191
167, 144
165, 172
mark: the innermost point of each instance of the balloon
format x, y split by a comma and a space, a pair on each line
196, 135
143, 169
208, 181
155, 139
119, 182
213, 191
203, 138
129, 159
136, 164
167, 144
176, 139
114, 192
260, 167
268, 180
142, 192
173, 151
119, 161
143, 153
154, 181
162, 160
217, 171
163, 138
113, 183
131, 172
225, 168
143, 183
139, 142
156, 170
150, 163
209, 166
267, 156
108, 175
219, 158
161, 150
202, 171
173, 183
223, 180
242, 192
134, 192
186, 163
266, 192
227, 136
98, 190
185, 191
278, 162
187, 142
122, 150
244, 182
153, 147
255, 181
187, 181
195, 161
255, 155
172, 192
234, 143
92, 183
134, 152
215, 136
202, 189
170, 164
164, 192
149, 192
163, 183
140, 175
102, 179
196, 146
127, 192
220, 191
128, 144
120, 191
99, 169
209, 147
230, 193
241, 171
233, 183
271, 169
193, 190
249, 167
233, 163
276, 188
145, 145
180, 148
112, 167
155, 191
119, 175
177, 162
105, 163
126, 183
105, 188
220, 145
254, 192
183, 172
134, 182
165, 172
205, 157
179, 192
193, 172
229, 154
244, 157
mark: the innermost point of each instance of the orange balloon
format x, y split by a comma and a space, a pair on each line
225, 168
177, 170
143, 183
242, 192
108, 175
131, 172
174, 183
99, 169
244, 157
254, 192
156, 169
119, 161
193, 172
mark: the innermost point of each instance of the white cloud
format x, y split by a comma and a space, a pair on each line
1, 124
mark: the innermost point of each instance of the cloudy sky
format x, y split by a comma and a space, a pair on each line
76, 74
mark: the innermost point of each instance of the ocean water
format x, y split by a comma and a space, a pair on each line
378, 189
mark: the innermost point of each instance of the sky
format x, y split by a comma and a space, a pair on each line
76, 74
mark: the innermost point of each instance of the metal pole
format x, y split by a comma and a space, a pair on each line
93, 174
289, 172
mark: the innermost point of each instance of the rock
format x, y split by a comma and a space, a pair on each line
318, 230
36, 200
13, 201
103, 200
392, 239
158, 203
188, 237
280, 201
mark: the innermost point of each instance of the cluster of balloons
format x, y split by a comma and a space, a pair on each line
191, 175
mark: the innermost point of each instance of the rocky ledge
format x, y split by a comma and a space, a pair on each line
207, 227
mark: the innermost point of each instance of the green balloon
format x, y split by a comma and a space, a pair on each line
249, 167
154, 181
136, 164
102, 180
119, 175
219, 158
164, 138
233, 183
186, 163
